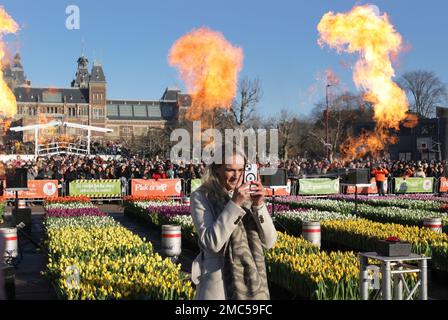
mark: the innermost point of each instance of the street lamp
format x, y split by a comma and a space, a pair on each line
327, 135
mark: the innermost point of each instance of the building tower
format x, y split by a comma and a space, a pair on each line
97, 96
82, 75
15, 75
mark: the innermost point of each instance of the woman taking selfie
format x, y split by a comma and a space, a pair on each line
233, 227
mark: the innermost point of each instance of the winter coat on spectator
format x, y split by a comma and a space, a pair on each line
157, 175
31, 174
420, 174
58, 176
71, 175
380, 174
170, 174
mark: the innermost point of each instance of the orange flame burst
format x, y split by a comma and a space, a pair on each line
411, 121
209, 65
363, 30
8, 104
6, 125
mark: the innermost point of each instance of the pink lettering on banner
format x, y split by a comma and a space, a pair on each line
157, 188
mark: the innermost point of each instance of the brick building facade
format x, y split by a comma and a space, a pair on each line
85, 102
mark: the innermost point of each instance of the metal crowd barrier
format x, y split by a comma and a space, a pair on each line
58, 147
436, 185
294, 186
186, 190
186, 187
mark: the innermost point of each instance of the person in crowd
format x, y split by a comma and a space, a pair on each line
440, 172
147, 173
191, 173
99, 173
59, 176
159, 174
109, 174
233, 228
201, 170
32, 172
408, 172
380, 173
170, 172
180, 173
18, 163
420, 173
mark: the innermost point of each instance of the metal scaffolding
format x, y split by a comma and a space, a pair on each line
66, 147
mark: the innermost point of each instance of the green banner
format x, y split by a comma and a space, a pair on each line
322, 186
414, 185
96, 188
195, 184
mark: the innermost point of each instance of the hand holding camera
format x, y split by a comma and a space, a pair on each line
256, 192
241, 192
251, 174
251, 187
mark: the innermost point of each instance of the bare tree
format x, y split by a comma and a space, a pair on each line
345, 110
285, 126
155, 142
242, 111
425, 90
249, 94
224, 119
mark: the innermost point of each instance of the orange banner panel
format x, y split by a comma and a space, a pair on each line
443, 185
365, 190
38, 189
279, 191
157, 188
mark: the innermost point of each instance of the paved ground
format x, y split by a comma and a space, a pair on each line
32, 285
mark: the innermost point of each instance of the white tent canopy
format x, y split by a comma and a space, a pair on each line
36, 128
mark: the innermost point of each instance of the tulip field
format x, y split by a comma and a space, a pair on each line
304, 269
93, 257
393, 211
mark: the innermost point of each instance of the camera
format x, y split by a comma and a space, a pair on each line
250, 173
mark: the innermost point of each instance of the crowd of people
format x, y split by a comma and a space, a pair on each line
303, 168
121, 164
73, 167
16, 147
129, 165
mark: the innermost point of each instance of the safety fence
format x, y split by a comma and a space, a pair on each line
117, 189
61, 147
391, 186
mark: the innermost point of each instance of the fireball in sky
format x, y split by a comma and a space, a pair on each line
371, 35
8, 104
209, 65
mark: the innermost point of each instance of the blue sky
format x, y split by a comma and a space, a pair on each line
279, 38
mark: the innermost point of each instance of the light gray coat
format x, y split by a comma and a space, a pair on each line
207, 268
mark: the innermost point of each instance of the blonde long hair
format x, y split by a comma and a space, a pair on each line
212, 187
